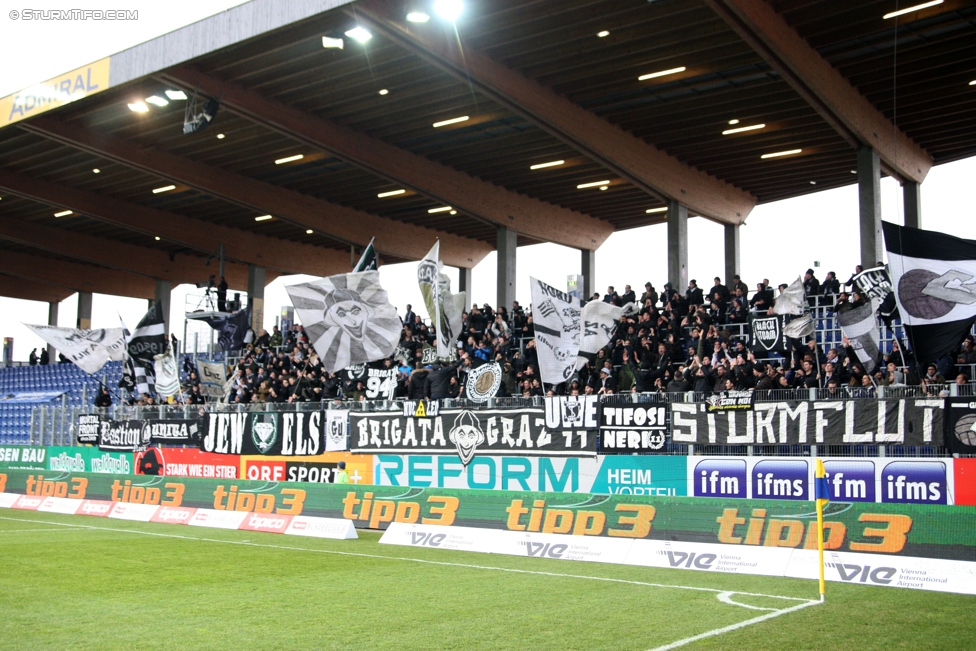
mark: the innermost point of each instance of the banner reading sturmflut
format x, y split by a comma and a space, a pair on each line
906, 421
517, 432
556, 319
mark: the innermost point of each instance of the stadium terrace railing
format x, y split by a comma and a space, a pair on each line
56, 425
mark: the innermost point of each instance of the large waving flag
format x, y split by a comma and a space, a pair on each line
368, 261
149, 338
348, 318
444, 308
791, 300
556, 319
90, 350
599, 323
934, 281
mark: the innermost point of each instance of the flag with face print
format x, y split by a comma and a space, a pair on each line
348, 318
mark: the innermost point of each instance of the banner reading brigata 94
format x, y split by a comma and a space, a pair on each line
348, 318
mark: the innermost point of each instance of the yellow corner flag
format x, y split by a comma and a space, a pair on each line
822, 494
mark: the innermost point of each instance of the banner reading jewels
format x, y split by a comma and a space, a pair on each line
909, 421
280, 434
519, 432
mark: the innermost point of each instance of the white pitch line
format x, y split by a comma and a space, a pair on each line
26, 530
734, 627
429, 562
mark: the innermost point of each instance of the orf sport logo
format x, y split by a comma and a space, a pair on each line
914, 482
264, 431
781, 480
720, 478
850, 481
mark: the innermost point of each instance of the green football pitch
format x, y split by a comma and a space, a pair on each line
76, 582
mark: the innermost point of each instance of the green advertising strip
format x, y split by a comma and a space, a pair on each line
22, 456
89, 459
908, 529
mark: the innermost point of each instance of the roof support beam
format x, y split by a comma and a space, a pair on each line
467, 194
149, 263
635, 160
239, 245
28, 290
75, 276
823, 87
346, 224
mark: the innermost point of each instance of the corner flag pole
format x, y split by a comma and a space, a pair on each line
822, 490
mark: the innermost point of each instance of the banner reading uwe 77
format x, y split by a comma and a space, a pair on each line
519, 432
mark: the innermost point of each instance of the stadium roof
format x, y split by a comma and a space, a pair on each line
632, 96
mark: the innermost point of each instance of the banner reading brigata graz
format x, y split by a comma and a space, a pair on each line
920, 530
520, 432
907, 421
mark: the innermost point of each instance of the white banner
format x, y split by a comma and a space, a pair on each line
90, 350
468, 539
556, 319
136, 512
336, 430
599, 320
736, 559
444, 308
314, 527
595, 549
212, 376
167, 375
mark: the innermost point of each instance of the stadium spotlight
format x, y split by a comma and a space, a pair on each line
359, 34
176, 95
417, 17
193, 121
449, 10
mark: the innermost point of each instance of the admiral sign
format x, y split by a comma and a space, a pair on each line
521, 432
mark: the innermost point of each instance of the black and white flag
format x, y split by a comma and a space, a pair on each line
231, 328
444, 308
348, 318
791, 299
861, 329
934, 280
556, 318
90, 350
599, 321
767, 334
149, 338
135, 374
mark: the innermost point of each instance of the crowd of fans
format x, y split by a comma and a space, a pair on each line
674, 342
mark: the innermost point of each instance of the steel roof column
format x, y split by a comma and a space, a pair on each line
52, 320
507, 243
84, 310
255, 297
464, 285
869, 201
677, 245
912, 197
732, 253
588, 270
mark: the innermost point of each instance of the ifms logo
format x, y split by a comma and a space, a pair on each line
719, 478
914, 482
781, 480
850, 481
